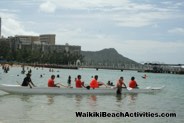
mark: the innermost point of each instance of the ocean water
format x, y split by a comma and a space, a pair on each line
63, 108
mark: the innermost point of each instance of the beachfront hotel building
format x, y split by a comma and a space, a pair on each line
42, 39
0, 27
43, 43
26, 39
47, 39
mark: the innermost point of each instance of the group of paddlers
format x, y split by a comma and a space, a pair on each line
80, 84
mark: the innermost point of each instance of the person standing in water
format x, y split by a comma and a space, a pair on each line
120, 84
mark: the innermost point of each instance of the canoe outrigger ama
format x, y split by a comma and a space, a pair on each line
17, 89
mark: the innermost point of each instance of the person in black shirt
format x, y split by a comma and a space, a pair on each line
69, 81
27, 81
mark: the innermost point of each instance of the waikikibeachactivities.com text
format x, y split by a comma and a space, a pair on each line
124, 114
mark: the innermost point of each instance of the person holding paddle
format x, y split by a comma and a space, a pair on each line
78, 82
133, 83
27, 81
95, 84
51, 82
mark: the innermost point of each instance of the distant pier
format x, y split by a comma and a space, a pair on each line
54, 66
113, 68
165, 68
150, 68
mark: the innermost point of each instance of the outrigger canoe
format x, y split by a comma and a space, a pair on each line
17, 89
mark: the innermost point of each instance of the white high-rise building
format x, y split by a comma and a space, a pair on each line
0, 27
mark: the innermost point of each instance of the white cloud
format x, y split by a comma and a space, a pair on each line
94, 4
12, 26
178, 30
140, 19
86, 4
123, 12
51, 5
48, 7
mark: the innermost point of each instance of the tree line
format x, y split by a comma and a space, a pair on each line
36, 56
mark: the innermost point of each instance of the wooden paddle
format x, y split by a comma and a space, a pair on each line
18, 83
102, 83
87, 87
64, 85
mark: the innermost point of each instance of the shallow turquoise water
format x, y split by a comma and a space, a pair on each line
62, 108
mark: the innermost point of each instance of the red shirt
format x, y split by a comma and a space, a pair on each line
132, 84
78, 83
94, 83
51, 83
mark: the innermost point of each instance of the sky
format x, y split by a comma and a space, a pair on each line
142, 30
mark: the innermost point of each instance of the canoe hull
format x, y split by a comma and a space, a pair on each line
16, 89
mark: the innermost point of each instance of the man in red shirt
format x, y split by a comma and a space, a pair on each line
51, 82
95, 84
78, 82
133, 83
